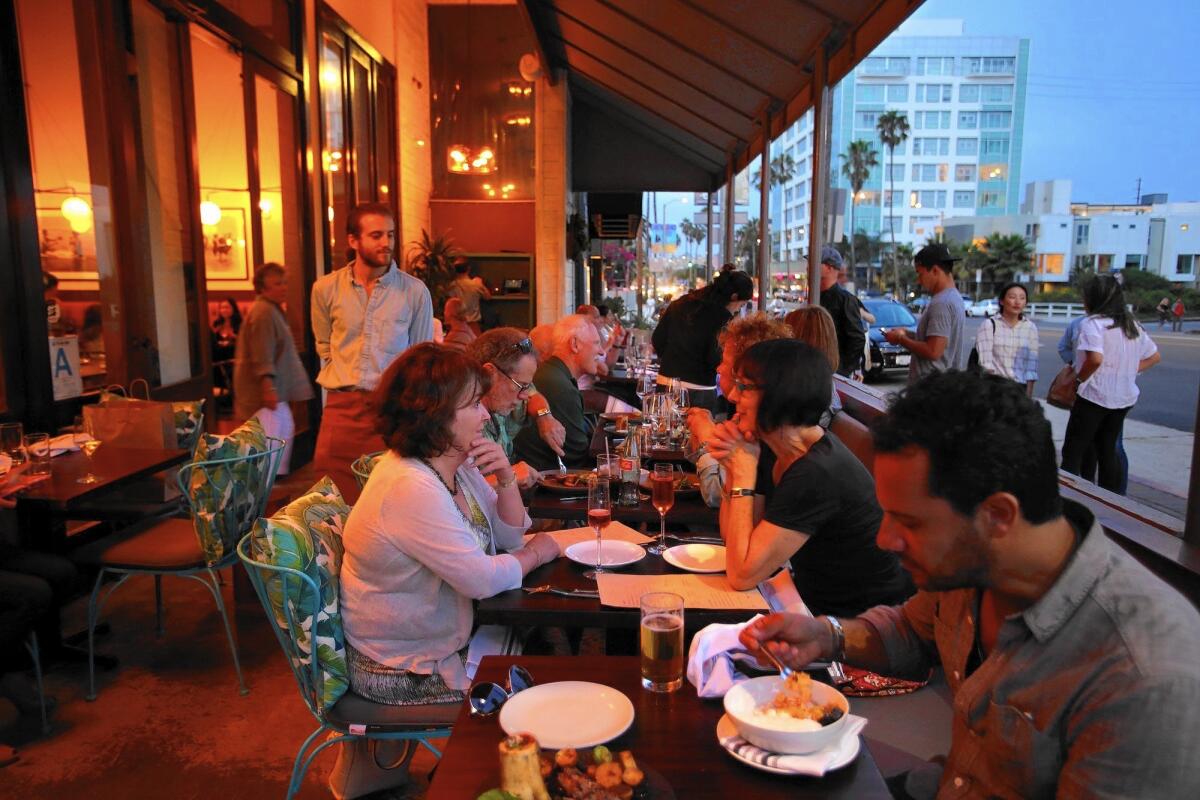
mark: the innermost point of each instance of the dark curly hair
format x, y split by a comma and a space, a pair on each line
420, 394
795, 381
983, 435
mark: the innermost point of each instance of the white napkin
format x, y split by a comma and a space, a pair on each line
491, 640
65, 443
710, 659
809, 764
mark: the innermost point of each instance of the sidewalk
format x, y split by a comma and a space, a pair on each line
1160, 461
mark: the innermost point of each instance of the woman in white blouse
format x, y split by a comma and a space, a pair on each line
428, 534
1008, 345
1112, 348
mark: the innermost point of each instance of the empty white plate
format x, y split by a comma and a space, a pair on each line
568, 714
696, 557
613, 553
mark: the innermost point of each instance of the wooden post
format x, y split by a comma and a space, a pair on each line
708, 239
764, 229
820, 180
727, 213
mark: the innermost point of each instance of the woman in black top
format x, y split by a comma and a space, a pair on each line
804, 497
686, 336
225, 330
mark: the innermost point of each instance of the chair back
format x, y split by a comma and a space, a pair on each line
294, 562
363, 465
226, 495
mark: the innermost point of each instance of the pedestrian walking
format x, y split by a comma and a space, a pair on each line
938, 342
1008, 344
1177, 315
843, 308
1164, 311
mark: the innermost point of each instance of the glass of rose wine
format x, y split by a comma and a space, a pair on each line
599, 514
88, 443
662, 495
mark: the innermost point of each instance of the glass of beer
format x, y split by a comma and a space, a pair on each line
599, 515
662, 484
662, 641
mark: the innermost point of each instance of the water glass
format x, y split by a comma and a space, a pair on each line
11, 438
662, 641
37, 448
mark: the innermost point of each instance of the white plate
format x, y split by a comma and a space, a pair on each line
739, 748
568, 714
696, 557
613, 553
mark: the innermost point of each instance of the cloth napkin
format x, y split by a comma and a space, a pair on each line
65, 443
711, 659
491, 640
809, 764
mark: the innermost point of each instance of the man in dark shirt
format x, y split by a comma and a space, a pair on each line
843, 307
577, 349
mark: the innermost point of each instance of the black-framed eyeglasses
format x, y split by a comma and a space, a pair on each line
742, 386
521, 387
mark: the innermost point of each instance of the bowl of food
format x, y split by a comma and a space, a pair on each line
793, 716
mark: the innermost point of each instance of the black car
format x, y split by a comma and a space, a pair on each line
884, 355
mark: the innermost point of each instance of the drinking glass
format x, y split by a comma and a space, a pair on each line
88, 443
644, 386
662, 484
662, 641
11, 436
599, 515
37, 448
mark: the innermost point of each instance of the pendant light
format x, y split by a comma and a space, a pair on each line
477, 158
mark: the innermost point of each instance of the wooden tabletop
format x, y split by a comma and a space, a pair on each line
688, 510
114, 466
673, 734
518, 607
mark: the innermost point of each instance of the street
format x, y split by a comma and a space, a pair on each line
1168, 390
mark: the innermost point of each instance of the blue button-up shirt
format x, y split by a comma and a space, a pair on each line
358, 337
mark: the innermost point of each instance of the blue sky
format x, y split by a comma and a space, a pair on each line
1114, 91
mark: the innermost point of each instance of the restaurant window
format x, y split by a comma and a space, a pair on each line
481, 109
272, 18
358, 123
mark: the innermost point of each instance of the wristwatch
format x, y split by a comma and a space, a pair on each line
739, 492
542, 412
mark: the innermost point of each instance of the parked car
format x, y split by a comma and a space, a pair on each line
886, 356
919, 303
983, 308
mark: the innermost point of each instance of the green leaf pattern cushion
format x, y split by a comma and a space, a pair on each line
306, 535
226, 498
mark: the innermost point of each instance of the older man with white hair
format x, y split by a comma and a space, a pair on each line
576, 346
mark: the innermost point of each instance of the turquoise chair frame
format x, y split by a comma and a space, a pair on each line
207, 574
362, 466
309, 679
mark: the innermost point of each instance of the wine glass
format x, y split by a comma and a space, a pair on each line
88, 443
662, 484
644, 385
11, 437
599, 515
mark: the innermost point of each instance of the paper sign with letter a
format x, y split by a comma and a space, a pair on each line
64, 367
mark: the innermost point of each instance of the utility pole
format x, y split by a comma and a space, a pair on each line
1137, 192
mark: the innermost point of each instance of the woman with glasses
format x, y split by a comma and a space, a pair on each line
794, 493
508, 358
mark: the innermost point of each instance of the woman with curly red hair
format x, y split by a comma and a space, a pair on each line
428, 534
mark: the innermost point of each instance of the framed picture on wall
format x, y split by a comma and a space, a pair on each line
225, 248
69, 255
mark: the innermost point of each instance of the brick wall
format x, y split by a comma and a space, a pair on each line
555, 274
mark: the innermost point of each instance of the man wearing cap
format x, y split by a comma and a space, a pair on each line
843, 307
938, 343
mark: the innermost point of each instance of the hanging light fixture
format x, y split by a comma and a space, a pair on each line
210, 213
77, 213
463, 158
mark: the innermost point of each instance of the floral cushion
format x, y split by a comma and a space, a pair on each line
306, 535
188, 414
226, 498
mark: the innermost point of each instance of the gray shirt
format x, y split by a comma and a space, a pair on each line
944, 317
1093, 691
266, 350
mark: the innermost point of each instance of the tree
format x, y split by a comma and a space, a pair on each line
745, 244
906, 273
431, 259
999, 258
783, 169
858, 160
893, 131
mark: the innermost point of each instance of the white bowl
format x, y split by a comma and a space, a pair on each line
770, 734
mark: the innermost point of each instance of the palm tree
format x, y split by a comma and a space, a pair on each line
746, 244
999, 258
783, 168
893, 131
858, 160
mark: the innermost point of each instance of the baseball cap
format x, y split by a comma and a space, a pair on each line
830, 256
935, 253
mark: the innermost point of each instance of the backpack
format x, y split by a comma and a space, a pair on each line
973, 359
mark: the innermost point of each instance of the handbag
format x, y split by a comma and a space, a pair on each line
1062, 389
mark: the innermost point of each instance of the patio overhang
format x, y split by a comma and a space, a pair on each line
669, 94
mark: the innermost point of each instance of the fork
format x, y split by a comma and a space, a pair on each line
562, 468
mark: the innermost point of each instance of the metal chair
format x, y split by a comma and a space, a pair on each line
351, 717
362, 466
31, 644
195, 546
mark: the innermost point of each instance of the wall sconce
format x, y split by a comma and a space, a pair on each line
210, 213
78, 214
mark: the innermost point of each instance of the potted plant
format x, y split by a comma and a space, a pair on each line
431, 259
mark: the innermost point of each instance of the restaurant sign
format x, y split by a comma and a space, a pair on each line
64, 367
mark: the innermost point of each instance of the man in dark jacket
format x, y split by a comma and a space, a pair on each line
843, 307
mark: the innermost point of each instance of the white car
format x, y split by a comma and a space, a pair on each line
983, 308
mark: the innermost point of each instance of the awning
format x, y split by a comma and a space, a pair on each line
666, 93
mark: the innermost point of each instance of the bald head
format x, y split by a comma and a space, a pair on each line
577, 344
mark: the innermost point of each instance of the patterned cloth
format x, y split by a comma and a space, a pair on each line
1010, 351
396, 687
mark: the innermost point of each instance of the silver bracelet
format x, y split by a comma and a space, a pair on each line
839, 639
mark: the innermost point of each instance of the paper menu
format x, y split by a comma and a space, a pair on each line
698, 591
616, 531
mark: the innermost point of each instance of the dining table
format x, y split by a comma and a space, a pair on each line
672, 736
689, 508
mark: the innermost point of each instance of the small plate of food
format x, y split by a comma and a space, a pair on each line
594, 773
686, 484
572, 482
